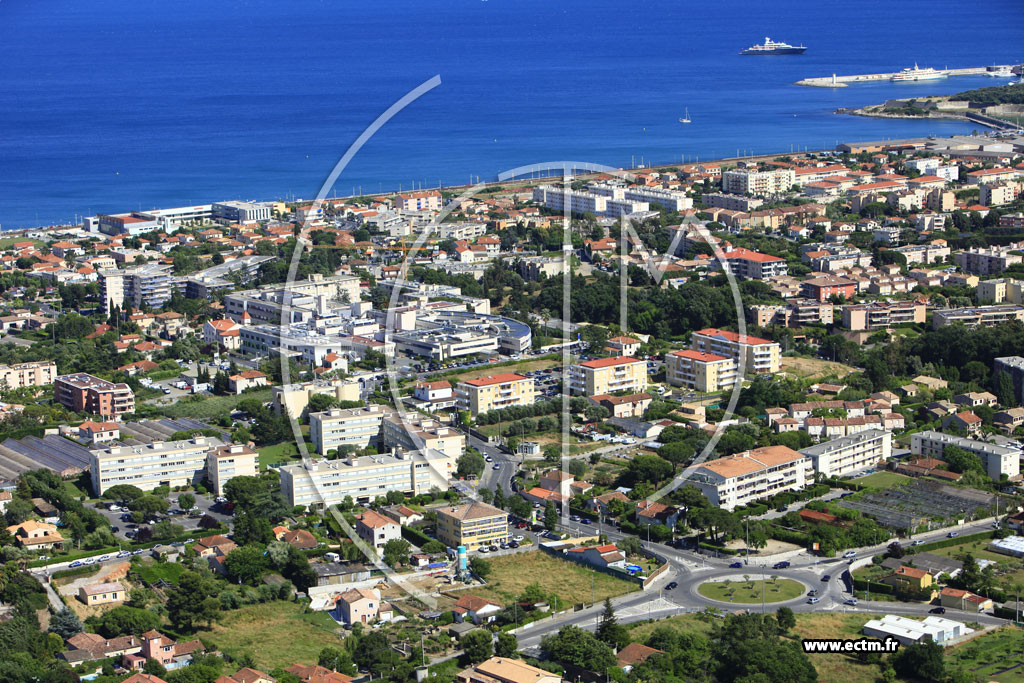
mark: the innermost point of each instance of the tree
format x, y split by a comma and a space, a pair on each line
480, 566
518, 506
610, 631
166, 529
65, 623
500, 501
575, 647
124, 620
576, 468
550, 516
507, 645
336, 659
920, 660
962, 461
647, 468
1004, 390
478, 646
246, 564
186, 501
470, 464
125, 492
251, 528
154, 668
221, 383
786, 618
194, 601
396, 551
486, 495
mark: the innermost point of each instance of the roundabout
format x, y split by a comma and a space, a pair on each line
737, 590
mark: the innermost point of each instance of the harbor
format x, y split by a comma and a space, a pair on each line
835, 81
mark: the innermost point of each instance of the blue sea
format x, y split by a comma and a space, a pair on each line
122, 105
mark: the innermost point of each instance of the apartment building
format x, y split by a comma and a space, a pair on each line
850, 454
608, 375
827, 286
706, 372
1012, 220
495, 392
747, 264
412, 431
924, 253
84, 393
228, 461
32, 374
757, 356
1002, 290
292, 399
329, 482
880, 315
977, 316
672, 200
427, 200
472, 525
356, 427
561, 199
750, 476
147, 466
987, 261
997, 194
796, 313
151, 284
1013, 366
997, 460
733, 202
747, 181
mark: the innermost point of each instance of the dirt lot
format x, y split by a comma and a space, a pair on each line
68, 588
774, 547
524, 366
813, 368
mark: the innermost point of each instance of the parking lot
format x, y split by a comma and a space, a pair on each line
205, 504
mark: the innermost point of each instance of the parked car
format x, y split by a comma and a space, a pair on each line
483, 549
124, 553
518, 539
89, 561
584, 520
76, 563
138, 552
494, 548
104, 558
513, 544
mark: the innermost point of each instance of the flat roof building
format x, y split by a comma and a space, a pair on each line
746, 477
84, 393
496, 392
850, 454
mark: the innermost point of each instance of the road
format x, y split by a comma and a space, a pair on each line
500, 470
689, 569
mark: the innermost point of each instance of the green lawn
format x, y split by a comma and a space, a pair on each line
282, 452
8, 242
882, 480
749, 592
211, 407
976, 548
152, 572
277, 634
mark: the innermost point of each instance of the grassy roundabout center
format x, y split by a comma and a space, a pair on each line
749, 592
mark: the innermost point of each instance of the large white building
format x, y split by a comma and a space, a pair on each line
748, 181
31, 374
997, 460
412, 431
850, 454
672, 200
147, 466
328, 482
757, 356
747, 477
244, 213
357, 427
558, 199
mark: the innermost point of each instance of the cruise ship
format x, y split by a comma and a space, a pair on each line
918, 74
770, 47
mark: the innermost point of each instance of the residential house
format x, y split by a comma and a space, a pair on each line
362, 606
33, 535
633, 405
965, 420
317, 674
376, 529
166, 651
604, 556
476, 609
634, 655
505, 670
650, 512
249, 675
101, 593
909, 579
297, 538
956, 598
247, 379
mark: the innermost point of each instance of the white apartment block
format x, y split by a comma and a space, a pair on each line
850, 454
161, 463
559, 199
673, 200
987, 261
328, 482
997, 460
757, 356
412, 431
747, 477
244, 213
233, 460
32, 374
357, 427
747, 181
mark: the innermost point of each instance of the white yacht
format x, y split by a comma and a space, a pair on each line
918, 74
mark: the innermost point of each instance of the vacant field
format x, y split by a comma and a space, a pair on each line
8, 242
511, 574
277, 634
836, 667
996, 656
814, 368
976, 548
212, 406
152, 572
883, 480
749, 592
684, 623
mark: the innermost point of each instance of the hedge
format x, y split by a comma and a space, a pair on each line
415, 536
718, 549
863, 584
1005, 613
788, 536
947, 542
77, 571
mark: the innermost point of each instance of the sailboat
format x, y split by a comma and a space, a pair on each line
686, 117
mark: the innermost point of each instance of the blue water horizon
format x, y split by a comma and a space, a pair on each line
109, 106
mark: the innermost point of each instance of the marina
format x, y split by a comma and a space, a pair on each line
835, 81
